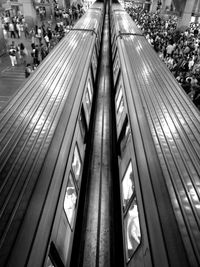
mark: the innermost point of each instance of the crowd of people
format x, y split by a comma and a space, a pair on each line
180, 50
18, 54
14, 26
69, 14
42, 37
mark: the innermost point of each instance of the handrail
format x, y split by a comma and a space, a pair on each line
128, 33
85, 30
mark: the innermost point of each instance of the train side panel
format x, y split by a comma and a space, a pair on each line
154, 105
46, 124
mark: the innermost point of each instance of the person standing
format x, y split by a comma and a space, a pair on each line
26, 31
17, 29
24, 53
12, 54
46, 38
11, 30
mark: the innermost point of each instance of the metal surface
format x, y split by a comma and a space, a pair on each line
123, 22
162, 108
37, 120
175, 126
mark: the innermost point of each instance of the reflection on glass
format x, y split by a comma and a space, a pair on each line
116, 67
70, 200
119, 97
133, 235
94, 62
121, 106
87, 100
125, 136
49, 263
76, 163
127, 185
90, 91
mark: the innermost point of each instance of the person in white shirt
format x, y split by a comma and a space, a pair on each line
170, 48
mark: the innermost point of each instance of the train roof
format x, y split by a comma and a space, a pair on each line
123, 22
90, 20
37, 117
174, 123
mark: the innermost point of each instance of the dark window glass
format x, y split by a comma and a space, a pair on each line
125, 133
83, 123
53, 259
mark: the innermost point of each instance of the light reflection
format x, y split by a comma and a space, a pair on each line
126, 25
138, 48
194, 194
145, 71
49, 263
197, 206
133, 234
70, 200
76, 163
170, 124
128, 185
73, 44
119, 97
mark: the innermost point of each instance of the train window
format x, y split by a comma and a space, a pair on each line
53, 259
94, 62
70, 200
49, 263
114, 48
128, 187
90, 90
115, 54
121, 106
132, 230
116, 68
125, 133
76, 163
120, 109
83, 123
87, 100
119, 97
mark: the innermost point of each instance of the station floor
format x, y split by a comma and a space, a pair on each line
11, 77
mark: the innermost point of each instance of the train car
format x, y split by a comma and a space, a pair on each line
158, 132
43, 132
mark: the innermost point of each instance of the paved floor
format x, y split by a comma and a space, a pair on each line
11, 77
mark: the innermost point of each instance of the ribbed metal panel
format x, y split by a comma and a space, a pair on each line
174, 124
29, 122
